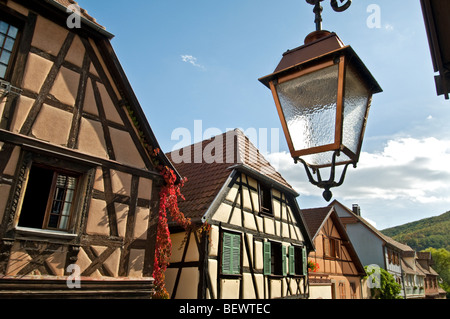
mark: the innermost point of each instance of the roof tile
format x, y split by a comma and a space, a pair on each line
220, 155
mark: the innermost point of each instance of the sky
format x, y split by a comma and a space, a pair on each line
194, 67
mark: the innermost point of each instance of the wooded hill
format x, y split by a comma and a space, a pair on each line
429, 232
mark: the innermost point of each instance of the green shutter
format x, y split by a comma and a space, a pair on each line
267, 258
283, 260
231, 254
226, 253
291, 260
305, 261
236, 255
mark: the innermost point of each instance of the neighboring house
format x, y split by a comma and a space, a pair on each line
78, 187
407, 267
432, 289
250, 241
340, 271
413, 276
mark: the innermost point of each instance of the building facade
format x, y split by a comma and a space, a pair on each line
250, 241
340, 273
78, 183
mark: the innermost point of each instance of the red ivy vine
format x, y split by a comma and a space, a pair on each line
168, 203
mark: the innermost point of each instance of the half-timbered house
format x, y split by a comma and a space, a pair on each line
374, 248
249, 241
339, 273
78, 183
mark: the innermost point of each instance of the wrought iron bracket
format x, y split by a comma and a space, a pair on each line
325, 184
341, 7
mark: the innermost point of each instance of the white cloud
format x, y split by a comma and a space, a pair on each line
414, 170
192, 60
408, 180
389, 27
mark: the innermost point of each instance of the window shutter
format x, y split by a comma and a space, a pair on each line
283, 260
231, 254
267, 258
236, 254
226, 253
305, 261
326, 246
291, 260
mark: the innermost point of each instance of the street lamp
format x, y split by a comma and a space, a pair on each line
323, 92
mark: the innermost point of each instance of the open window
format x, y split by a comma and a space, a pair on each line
50, 199
265, 199
275, 259
298, 261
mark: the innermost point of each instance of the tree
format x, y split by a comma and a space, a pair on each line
383, 283
441, 258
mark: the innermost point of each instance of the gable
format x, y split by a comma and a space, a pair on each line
69, 82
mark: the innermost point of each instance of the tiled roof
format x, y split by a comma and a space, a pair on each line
216, 160
314, 218
84, 13
387, 239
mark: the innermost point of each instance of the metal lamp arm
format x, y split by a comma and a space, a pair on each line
345, 4
328, 184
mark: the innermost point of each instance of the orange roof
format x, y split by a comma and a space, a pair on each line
220, 156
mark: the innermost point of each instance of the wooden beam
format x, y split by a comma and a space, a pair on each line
47, 86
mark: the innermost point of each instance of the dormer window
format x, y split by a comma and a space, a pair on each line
8, 36
265, 199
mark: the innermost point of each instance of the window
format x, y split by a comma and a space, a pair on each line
353, 290
8, 36
342, 294
231, 254
49, 199
332, 247
299, 262
275, 259
265, 199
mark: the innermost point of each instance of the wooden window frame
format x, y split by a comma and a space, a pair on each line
6, 18
82, 171
51, 197
298, 261
331, 248
275, 259
264, 192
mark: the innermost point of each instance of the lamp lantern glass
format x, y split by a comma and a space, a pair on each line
323, 101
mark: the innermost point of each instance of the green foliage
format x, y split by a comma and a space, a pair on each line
389, 288
430, 232
441, 258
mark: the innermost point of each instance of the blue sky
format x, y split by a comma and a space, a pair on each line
201, 60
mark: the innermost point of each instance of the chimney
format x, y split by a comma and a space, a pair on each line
356, 210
